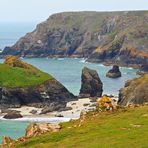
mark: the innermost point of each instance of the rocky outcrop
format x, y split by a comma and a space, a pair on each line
33, 130
6, 140
12, 115
91, 85
50, 93
36, 129
144, 67
114, 72
110, 37
134, 92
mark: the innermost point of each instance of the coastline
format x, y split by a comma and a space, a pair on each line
78, 106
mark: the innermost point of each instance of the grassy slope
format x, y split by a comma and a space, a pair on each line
19, 77
104, 130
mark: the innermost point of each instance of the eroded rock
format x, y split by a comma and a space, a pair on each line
114, 72
91, 85
134, 92
12, 115
37, 129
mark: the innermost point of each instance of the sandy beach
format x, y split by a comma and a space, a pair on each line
77, 106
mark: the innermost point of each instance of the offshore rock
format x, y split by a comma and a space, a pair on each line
91, 85
114, 72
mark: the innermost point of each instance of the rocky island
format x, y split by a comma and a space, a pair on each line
114, 72
109, 37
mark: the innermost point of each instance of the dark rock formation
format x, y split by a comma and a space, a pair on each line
114, 72
144, 67
134, 92
111, 37
91, 85
33, 111
51, 94
12, 115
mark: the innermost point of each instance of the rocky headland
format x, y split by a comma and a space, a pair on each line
134, 92
108, 37
22, 84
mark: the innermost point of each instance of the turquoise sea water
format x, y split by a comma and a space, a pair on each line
15, 129
67, 71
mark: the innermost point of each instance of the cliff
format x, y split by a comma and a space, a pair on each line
111, 37
23, 84
134, 92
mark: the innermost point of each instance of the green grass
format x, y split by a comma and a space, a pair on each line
106, 130
13, 77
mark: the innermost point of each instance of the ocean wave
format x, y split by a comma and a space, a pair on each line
61, 59
40, 119
83, 61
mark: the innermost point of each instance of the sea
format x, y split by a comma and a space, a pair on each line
65, 70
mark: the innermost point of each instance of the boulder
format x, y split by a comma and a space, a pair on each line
6, 140
59, 115
12, 115
52, 107
91, 85
134, 92
33, 111
114, 72
36, 129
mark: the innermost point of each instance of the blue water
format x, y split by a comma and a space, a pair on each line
67, 71
15, 129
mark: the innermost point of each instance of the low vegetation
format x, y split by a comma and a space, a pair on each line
15, 73
127, 127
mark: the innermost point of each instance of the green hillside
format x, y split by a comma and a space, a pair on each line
13, 77
125, 128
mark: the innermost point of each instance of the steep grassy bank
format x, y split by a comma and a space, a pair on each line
12, 77
125, 128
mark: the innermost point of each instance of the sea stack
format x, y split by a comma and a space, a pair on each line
134, 92
91, 85
114, 72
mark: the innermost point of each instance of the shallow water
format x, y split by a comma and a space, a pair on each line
15, 129
68, 72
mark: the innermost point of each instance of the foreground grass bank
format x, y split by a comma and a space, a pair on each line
121, 129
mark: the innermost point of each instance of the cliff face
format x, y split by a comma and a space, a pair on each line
115, 37
134, 92
23, 84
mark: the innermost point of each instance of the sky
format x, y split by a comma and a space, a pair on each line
39, 10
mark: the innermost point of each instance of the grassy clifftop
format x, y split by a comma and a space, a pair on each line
125, 128
20, 74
